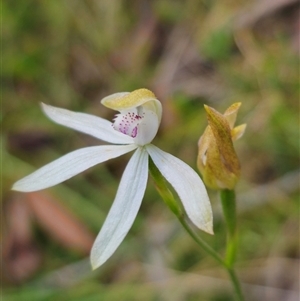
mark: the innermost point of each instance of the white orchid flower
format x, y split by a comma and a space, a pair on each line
133, 129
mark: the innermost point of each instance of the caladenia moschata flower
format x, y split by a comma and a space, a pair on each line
217, 160
132, 129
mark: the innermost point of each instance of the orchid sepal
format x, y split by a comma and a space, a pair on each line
217, 160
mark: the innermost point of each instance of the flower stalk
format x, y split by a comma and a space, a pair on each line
170, 201
229, 210
228, 202
163, 190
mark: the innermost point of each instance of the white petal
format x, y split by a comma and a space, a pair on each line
124, 209
70, 165
187, 184
88, 124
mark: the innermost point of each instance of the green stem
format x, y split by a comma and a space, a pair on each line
169, 199
163, 190
236, 283
229, 210
230, 270
201, 242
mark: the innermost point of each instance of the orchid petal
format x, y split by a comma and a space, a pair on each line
124, 209
187, 184
238, 131
70, 165
88, 124
231, 113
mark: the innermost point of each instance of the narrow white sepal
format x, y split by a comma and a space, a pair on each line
88, 124
70, 165
124, 209
187, 184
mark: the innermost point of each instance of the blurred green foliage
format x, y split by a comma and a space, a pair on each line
71, 54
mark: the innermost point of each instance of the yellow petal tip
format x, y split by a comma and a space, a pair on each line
121, 101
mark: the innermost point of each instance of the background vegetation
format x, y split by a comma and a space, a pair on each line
71, 54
